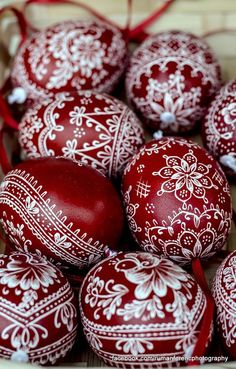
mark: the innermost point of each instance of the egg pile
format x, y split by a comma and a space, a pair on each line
89, 178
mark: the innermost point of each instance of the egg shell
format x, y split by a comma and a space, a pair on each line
141, 310
90, 127
38, 311
65, 210
224, 293
70, 56
219, 128
177, 200
170, 79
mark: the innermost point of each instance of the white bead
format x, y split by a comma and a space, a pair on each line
167, 117
18, 95
20, 356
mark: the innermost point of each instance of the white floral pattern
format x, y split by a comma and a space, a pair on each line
103, 132
219, 128
150, 298
170, 78
36, 305
77, 55
223, 290
186, 177
27, 272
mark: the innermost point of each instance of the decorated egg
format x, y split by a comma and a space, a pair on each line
224, 293
177, 200
219, 128
38, 313
66, 211
141, 309
95, 129
70, 56
170, 79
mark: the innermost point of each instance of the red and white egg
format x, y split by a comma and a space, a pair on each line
38, 311
224, 293
90, 127
177, 200
69, 56
170, 79
219, 128
66, 211
141, 310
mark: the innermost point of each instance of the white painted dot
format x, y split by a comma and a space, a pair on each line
167, 117
20, 356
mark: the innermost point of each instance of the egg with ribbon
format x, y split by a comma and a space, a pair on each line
38, 310
87, 126
177, 200
64, 210
224, 293
139, 309
219, 128
69, 56
170, 79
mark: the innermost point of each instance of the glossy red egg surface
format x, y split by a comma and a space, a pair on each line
95, 129
177, 200
224, 293
70, 56
219, 128
140, 309
170, 79
38, 317
64, 210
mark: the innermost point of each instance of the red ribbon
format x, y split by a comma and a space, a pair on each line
20, 20
4, 161
137, 34
90, 10
207, 321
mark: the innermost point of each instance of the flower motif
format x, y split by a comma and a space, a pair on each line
94, 289
134, 346
89, 52
185, 177
27, 271
70, 150
151, 274
77, 115
229, 113
173, 106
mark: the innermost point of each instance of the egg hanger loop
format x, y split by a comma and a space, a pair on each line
138, 33
95, 13
207, 321
4, 109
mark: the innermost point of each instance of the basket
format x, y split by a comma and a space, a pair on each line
198, 16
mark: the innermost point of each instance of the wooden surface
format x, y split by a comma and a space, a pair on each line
197, 16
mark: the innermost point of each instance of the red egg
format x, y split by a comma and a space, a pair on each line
219, 128
224, 293
95, 129
61, 209
140, 309
170, 79
177, 200
70, 56
38, 317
